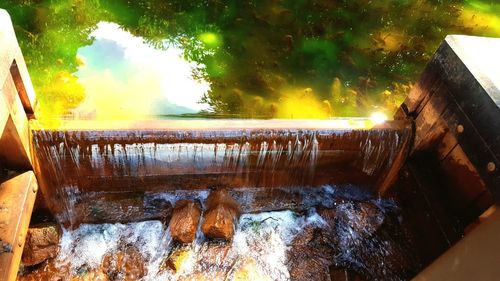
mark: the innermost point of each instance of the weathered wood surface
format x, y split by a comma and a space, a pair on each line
475, 257
17, 101
452, 174
456, 107
12, 64
17, 193
17, 197
263, 154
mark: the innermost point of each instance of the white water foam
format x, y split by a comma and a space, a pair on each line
262, 238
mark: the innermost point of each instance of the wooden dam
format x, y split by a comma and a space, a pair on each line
439, 159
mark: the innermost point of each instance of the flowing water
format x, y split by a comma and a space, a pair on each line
363, 236
83, 167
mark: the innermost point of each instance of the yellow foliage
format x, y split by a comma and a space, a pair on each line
389, 41
301, 104
480, 22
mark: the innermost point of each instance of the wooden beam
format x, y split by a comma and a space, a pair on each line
457, 102
193, 155
17, 197
12, 62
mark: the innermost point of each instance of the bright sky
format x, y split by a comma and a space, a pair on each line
125, 78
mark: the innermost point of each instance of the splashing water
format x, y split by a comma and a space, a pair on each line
260, 244
281, 245
78, 162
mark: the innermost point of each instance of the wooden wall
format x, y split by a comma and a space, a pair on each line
452, 175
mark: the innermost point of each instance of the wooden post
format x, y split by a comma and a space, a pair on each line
456, 109
18, 186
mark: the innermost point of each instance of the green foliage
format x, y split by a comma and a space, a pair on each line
258, 54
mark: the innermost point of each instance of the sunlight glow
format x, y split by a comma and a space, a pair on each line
126, 78
378, 117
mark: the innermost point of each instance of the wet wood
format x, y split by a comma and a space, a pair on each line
17, 193
17, 197
74, 162
12, 62
15, 148
456, 107
465, 184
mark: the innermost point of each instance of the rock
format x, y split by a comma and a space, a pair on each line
48, 271
308, 269
42, 243
126, 265
248, 271
221, 215
364, 218
213, 254
343, 274
219, 223
222, 197
310, 255
92, 275
177, 260
328, 214
204, 276
184, 221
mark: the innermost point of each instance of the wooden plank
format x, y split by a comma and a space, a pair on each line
21, 86
387, 179
475, 257
164, 160
4, 113
417, 191
17, 115
421, 91
12, 154
447, 143
15, 147
17, 197
465, 184
11, 57
474, 146
467, 65
8, 42
429, 128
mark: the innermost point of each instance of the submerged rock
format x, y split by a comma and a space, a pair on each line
205, 276
219, 223
123, 208
214, 254
184, 221
310, 255
362, 218
249, 271
343, 274
42, 243
127, 264
92, 275
177, 259
221, 216
48, 270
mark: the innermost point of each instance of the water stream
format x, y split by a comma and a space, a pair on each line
80, 165
350, 230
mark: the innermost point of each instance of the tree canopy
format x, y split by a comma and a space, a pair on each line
263, 59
